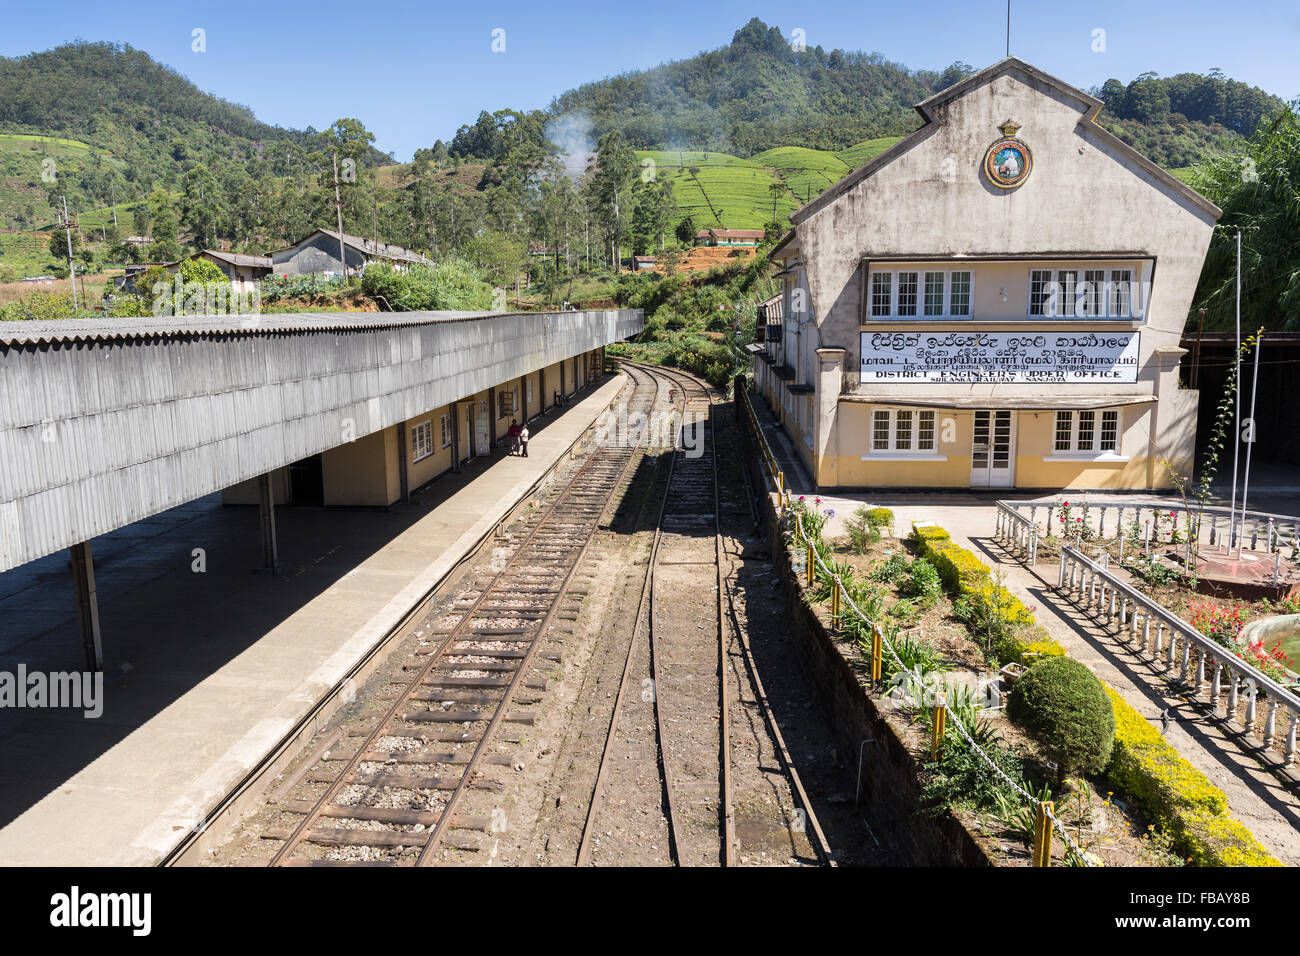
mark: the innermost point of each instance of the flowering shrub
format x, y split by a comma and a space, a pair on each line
1223, 626
1220, 624
1270, 661
1064, 520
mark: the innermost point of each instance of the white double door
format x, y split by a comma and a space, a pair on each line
993, 449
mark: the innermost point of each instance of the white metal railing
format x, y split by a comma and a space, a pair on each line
1156, 632
1161, 522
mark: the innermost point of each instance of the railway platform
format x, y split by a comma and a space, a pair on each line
210, 665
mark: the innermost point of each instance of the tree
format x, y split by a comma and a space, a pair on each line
615, 169
498, 254
202, 205
141, 219
166, 244
1256, 188
197, 269
776, 190
686, 230
59, 243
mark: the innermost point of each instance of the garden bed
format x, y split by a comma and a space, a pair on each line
893, 582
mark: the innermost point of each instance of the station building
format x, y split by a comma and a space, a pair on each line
995, 302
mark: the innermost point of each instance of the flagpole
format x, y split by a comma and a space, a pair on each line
1236, 431
1245, 485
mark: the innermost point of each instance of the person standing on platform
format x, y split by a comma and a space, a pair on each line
523, 440
514, 436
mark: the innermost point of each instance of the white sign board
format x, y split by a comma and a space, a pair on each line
1107, 358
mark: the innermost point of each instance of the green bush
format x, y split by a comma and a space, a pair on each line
862, 533
892, 570
880, 518
451, 285
1063, 706
922, 582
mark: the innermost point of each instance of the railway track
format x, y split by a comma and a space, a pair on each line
688, 659
393, 794
416, 777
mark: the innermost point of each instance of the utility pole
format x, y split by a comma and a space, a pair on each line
67, 235
338, 207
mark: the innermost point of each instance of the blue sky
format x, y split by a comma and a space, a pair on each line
414, 72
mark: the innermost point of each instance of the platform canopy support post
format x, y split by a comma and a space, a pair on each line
83, 579
266, 512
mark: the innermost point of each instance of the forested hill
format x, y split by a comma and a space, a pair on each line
120, 100
759, 93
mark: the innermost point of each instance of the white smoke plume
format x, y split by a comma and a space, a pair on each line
573, 134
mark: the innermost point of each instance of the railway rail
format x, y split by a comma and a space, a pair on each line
396, 798
691, 693
405, 782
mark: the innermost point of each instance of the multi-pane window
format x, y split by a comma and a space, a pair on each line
1068, 292
906, 294
1040, 281
959, 294
446, 431
1121, 283
880, 430
1092, 296
925, 430
1087, 430
1064, 428
1109, 430
882, 301
1077, 431
530, 392
903, 430
422, 441
934, 282
934, 293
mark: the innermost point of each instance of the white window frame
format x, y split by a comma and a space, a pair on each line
911, 453
445, 428
422, 441
1108, 297
921, 273
1094, 451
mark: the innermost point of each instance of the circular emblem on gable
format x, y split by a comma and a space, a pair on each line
1008, 161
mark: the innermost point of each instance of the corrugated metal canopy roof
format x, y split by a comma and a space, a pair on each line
87, 330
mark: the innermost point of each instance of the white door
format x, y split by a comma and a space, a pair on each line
993, 450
